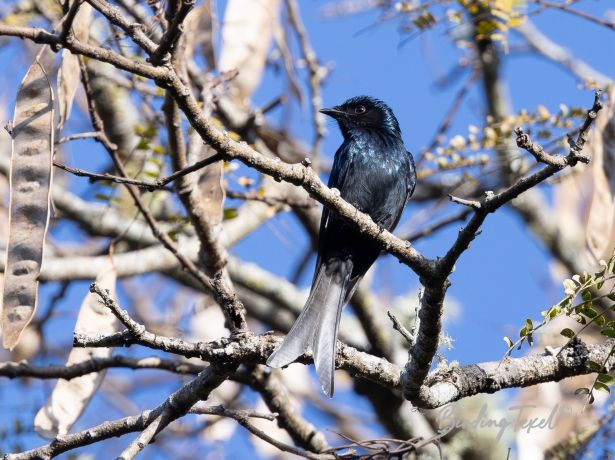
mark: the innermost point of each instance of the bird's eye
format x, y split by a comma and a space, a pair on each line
359, 109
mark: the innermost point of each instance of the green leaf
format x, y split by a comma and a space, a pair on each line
173, 234
590, 312
600, 284
566, 302
594, 366
107, 183
600, 321
102, 197
523, 332
567, 332
606, 379
587, 295
155, 161
150, 132
508, 341
608, 332
602, 387
230, 213
529, 325
143, 144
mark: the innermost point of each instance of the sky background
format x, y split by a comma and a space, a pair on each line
500, 281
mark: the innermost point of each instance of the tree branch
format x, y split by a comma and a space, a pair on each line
443, 387
269, 384
169, 39
13, 370
178, 404
430, 313
229, 302
142, 184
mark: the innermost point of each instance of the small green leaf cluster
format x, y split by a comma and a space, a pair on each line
581, 302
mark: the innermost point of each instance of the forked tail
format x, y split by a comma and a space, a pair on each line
316, 328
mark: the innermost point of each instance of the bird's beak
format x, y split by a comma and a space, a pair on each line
333, 112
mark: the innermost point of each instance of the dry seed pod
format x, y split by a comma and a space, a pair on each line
29, 205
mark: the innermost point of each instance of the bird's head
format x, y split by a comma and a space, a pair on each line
364, 113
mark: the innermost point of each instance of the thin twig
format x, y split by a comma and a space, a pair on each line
73, 137
150, 186
317, 74
578, 13
431, 229
405, 333
462, 201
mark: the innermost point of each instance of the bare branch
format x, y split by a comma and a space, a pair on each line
578, 13
38, 35
67, 21
400, 328
202, 409
443, 387
430, 313
73, 137
317, 74
224, 296
268, 383
92, 435
178, 404
546, 47
171, 36
469, 203
95, 364
431, 229
143, 184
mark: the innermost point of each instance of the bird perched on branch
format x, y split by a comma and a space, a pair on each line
374, 172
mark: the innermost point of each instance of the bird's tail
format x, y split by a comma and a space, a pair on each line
316, 328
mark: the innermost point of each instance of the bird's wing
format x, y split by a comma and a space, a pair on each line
411, 174
339, 170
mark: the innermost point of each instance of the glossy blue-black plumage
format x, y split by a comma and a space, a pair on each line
374, 172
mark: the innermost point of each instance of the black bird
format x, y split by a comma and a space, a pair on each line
374, 172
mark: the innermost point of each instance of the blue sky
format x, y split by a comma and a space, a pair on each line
500, 281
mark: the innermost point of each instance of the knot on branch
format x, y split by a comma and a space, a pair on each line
575, 354
524, 142
523, 139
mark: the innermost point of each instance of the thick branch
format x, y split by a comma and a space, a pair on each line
443, 387
100, 54
247, 349
139, 422
269, 384
95, 364
178, 404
